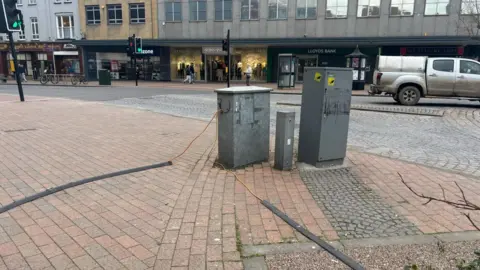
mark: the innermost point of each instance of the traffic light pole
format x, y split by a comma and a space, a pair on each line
136, 68
228, 59
15, 64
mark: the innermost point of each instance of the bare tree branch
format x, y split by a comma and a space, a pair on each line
471, 221
463, 204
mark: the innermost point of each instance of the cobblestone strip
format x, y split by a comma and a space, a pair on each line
354, 210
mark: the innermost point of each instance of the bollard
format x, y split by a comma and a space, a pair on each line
284, 136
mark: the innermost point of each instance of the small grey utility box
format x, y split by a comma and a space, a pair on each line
284, 135
326, 99
243, 125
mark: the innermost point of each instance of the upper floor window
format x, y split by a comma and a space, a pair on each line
55, 1
277, 9
93, 14
34, 24
173, 11
436, 7
402, 7
470, 7
115, 14
306, 9
32, 2
249, 10
21, 35
137, 13
223, 10
65, 26
198, 10
67, 1
368, 8
19, 2
337, 8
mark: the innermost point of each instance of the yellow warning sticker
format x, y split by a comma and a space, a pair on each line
331, 80
318, 76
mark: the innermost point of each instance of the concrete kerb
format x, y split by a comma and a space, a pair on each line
254, 255
396, 110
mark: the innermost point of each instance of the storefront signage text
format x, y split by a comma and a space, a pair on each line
322, 51
147, 52
32, 47
430, 51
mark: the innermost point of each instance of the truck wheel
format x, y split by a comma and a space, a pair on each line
409, 95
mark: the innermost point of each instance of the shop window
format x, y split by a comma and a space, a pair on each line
93, 14
368, 8
137, 13
115, 14
182, 57
306, 9
277, 9
337, 8
173, 11
198, 10
65, 26
470, 7
436, 7
249, 10
223, 10
34, 24
402, 7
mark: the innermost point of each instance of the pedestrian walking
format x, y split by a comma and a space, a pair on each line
248, 74
21, 72
188, 74
192, 73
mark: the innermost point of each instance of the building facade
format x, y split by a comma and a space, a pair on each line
318, 32
46, 43
107, 24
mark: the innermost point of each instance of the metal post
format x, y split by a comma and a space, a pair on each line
15, 64
134, 55
228, 57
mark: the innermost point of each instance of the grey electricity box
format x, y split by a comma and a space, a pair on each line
326, 99
243, 125
284, 135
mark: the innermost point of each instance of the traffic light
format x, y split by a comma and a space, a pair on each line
131, 46
13, 17
138, 45
225, 45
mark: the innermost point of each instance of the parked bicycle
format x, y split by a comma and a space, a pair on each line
79, 79
49, 78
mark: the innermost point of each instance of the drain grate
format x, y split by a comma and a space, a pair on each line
19, 130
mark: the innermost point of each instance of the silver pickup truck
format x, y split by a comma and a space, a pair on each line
407, 78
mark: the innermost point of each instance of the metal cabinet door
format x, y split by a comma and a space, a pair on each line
468, 79
441, 77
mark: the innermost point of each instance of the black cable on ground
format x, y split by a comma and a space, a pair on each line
79, 182
337, 254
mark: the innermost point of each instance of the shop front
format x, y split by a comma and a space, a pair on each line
153, 63
38, 58
181, 57
211, 62
319, 57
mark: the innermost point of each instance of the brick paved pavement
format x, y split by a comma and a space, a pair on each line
189, 215
173, 217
